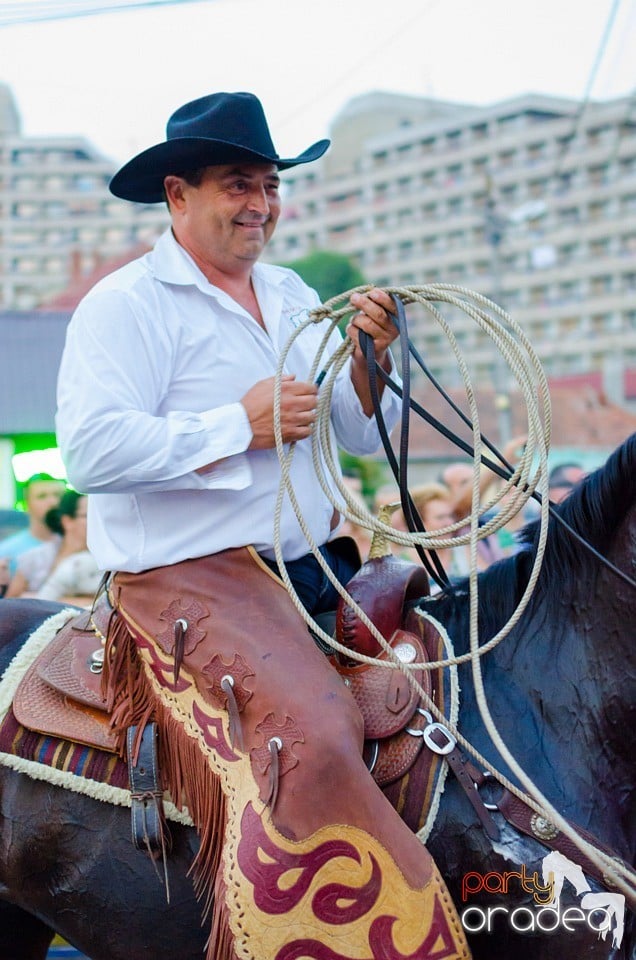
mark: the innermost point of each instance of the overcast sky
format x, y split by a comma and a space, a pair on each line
116, 77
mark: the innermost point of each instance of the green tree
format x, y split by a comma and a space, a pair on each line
370, 472
328, 273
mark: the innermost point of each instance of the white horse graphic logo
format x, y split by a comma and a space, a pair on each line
556, 869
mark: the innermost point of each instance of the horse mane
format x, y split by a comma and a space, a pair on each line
594, 509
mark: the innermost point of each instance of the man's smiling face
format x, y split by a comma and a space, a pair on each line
229, 217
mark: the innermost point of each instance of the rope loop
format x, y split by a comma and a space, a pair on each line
527, 479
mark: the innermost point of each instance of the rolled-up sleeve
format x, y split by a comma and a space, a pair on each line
114, 371
355, 432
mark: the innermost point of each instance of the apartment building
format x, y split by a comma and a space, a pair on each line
57, 219
530, 201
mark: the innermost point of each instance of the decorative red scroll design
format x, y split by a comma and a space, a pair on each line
334, 903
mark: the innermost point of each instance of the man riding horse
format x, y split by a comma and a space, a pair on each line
166, 397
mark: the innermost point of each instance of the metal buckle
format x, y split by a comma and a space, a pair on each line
423, 713
487, 775
445, 748
96, 662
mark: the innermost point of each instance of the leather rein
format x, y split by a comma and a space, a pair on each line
399, 465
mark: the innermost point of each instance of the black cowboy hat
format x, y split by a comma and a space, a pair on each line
217, 129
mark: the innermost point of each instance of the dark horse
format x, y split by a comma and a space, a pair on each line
561, 690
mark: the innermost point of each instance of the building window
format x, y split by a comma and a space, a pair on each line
569, 215
569, 291
599, 247
538, 188
569, 326
55, 265
601, 323
453, 174
600, 285
380, 192
596, 135
509, 193
598, 210
628, 243
569, 252
597, 175
507, 159
25, 211
480, 132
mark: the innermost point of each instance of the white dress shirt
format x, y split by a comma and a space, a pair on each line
155, 364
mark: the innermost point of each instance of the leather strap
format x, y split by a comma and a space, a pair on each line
430, 560
439, 739
514, 810
146, 811
524, 819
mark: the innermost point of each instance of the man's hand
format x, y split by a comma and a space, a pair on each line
374, 310
297, 411
374, 317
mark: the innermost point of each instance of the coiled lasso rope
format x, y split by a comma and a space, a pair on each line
521, 484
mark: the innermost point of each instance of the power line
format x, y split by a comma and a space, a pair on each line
352, 69
578, 116
12, 14
553, 182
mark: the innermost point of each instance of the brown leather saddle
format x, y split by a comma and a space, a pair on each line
60, 694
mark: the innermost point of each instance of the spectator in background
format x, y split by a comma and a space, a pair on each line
434, 503
458, 478
562, 478
41, 492
67, 525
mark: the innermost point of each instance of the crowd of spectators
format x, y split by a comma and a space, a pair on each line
448, 500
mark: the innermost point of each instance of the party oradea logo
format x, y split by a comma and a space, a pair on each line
599, 912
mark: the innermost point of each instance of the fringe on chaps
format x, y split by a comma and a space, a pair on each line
301, 856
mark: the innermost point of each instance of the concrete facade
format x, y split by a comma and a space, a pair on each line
531, 202
58, 220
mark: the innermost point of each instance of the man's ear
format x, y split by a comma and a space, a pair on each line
173, 187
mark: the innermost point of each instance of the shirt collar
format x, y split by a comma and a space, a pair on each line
172, 264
